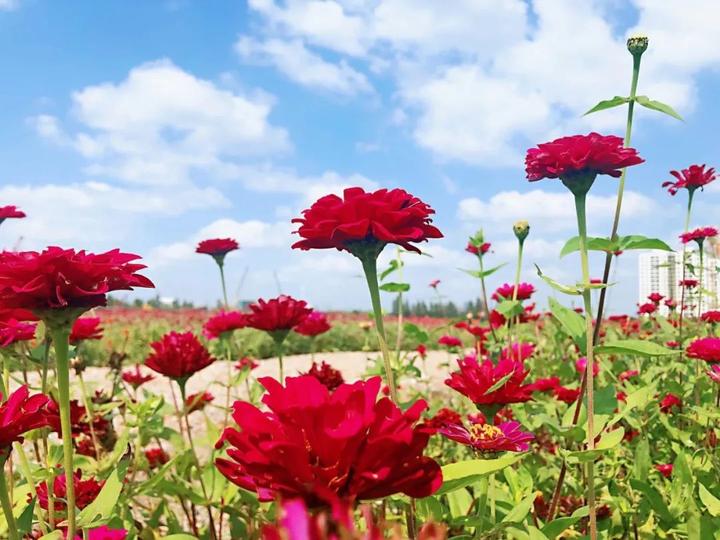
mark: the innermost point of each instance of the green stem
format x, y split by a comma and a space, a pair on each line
369, 264
280, 362
485, 298
222, 281
587, 299
27, 473
7, 504
691, 194
60, 337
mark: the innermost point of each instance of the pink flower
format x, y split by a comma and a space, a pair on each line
655, 298
9, 212
489, 438
707, 348
712, 316
328, 376
689, 283
698, 235
434, 283
12, 331
648, 308
450, 342
315, 323
505, 292
246, 363
671, 304
197, 402
545, 385
714, 373
223, 323
581, 366
664, 469
421, 350
566, 395
695, 176
136, 378
86, 328
482, 249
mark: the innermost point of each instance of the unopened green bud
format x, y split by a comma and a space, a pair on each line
521, 230
637, 44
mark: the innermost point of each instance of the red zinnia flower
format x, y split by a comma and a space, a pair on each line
655, 297
178, 355
665, 469
279, 314
568, 157
86, 328
85, 492
59, 278
434, 283
630, 373
482, 249
217, 247
497, 319
156, 457
669, 401
691, 178
7, 212
489, 438
545, 385
136, 378
315, 323
712, 316
505, 292
450, 341
707, 348
22, 413
317, 445
698, 235
360, 218
475, 379
714, 373
246, 363
443, 418
648, 308
671, 304
328, 376
223, 323
197, 402
566, 395
12, 331
421, 350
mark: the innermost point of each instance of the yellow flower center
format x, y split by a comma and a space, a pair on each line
484, 432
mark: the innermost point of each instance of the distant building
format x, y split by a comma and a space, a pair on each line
661, 272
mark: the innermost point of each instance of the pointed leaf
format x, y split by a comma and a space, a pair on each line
657, 106
391, 286
484, 273
637, 241
463, 473
608, 104
711, 502
635, 346
555, 285
571, 321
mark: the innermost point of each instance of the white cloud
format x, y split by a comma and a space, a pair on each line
8, 5
304, 67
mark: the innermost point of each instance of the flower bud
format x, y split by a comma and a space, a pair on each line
637, 44
521, 230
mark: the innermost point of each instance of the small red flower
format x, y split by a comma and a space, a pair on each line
478, 332
86, 328
712, 316
695, 176
669, 402
12, 331
487, 438
319, 446
566, 395
569, 157
85, 492
421, 350
689, 283
545, 385
57, 278
136, 378
698, 235
10, 212
451, 342
482, 249
328, 376
197, 402
434, 283
629, 374
246, 363
22, 413
707, 348
475, 379
505, 292
655, 297
665, 469
497, 319
223, 323
581, 366
360, 218
648, 308
278, 314
156, 457
671, 304
217, 247
442, 418
314, 324
178, 355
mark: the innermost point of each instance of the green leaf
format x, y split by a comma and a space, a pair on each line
608, 440
557, 286
509, 308
484, 273
654, 499
635, 346
463, 473
391, 286
181, 536
657, 106
637, 241
558, 526
594, 243
711, 502
101, 509
608, 104
621, 243
571, 321
393, 265
414, 332
520, 510
642, 463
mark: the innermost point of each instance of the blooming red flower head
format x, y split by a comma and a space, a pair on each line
85, 492
655, 297
505, 292
197, 402
178, 356
451, 342
665, 469
317, 445
22, 413
328, 376
497, 319
580, 156
314, 324
223, 323
669, 402
217, 247
707, 348
10, 212
712, 316
136, 378
670, 303
474, 379
360, 221
695, 176
487, 438
156, 457
86, 328
648, 308
58, 279
279, 314
421, 350
545, 385
12, 331
566, 395
443, 418
481, 249
698, 235
246, 363
714, 373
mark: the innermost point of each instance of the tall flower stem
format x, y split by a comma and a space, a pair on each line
691, 194
27, 473
485, 297
369, 264
7, 503
60, 338
279, 346
221, 266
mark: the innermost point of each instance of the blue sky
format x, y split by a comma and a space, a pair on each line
151, 125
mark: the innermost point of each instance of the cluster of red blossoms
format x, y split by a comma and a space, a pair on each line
506, 292
318, 445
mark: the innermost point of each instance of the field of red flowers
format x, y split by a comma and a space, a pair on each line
514, 422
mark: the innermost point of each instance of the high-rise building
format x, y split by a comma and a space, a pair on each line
661, 272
